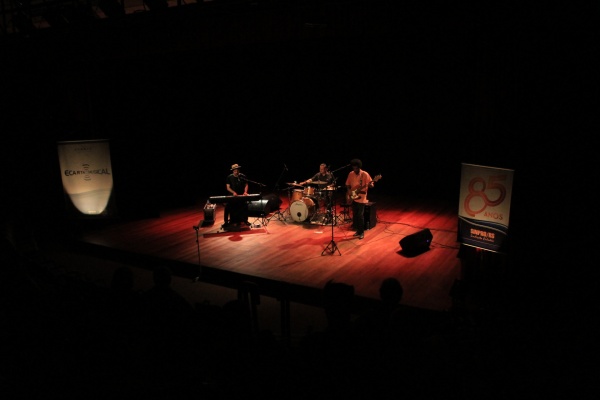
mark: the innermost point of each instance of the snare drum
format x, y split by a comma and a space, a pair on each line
309, 191
302, 209
297, 195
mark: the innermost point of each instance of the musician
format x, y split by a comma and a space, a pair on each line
236, 185
322, 176
326, 178
357, 185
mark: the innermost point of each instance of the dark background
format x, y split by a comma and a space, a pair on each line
412, 89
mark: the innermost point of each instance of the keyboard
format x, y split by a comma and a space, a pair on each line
227, 199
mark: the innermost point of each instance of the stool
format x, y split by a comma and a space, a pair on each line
345, 214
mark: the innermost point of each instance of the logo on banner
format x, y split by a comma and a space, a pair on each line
86, 174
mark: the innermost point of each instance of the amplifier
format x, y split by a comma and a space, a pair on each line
209, 212
370, 215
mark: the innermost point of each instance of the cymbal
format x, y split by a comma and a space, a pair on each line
293, 184
318, 183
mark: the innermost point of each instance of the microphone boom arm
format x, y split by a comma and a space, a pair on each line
340, 168
257, 183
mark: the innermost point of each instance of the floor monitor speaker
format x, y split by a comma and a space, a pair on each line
417, 242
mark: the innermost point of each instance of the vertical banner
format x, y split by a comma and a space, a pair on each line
86, 173
484, 206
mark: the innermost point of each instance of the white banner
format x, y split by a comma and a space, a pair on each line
86, 174
484, 206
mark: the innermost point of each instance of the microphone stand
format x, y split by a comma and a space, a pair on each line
199, 273
332, 246
276, 187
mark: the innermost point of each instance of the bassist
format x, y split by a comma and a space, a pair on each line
357, 184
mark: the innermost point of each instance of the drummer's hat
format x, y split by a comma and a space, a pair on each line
235, 166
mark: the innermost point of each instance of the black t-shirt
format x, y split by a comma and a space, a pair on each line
327, 177
237, 183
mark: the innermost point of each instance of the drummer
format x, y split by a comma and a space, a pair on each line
322, 179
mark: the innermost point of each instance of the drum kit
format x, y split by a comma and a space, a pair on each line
305, 203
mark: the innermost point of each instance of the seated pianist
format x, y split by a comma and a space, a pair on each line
236, 212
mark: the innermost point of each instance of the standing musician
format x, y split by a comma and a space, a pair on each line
357, 184
236, 185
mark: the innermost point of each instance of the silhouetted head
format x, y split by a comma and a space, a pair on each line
356, 163
391, 290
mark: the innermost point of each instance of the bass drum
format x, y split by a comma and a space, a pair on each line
303, 209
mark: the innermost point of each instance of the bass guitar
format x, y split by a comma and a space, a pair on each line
355, 194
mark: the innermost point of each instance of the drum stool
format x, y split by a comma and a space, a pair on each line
345, 214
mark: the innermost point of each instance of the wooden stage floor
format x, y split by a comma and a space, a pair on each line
291, 260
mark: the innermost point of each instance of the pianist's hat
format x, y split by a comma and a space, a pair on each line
235, 166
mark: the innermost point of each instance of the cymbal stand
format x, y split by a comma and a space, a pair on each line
332, 246
318, 217
338, 219
329, 217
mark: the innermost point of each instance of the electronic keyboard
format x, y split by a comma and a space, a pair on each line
227, 199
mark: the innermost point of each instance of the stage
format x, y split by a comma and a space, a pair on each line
291, 260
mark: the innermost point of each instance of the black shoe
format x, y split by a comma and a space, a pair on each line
225, 225
247, 223
361, 236
357, 234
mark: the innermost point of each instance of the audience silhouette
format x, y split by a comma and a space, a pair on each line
378, 321
62, 326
